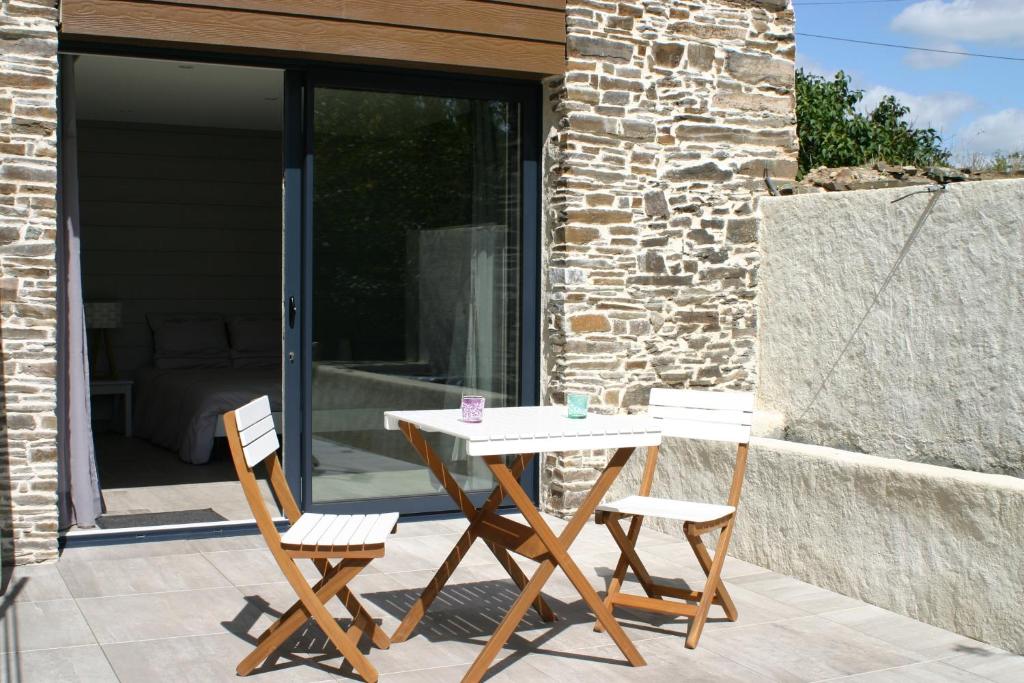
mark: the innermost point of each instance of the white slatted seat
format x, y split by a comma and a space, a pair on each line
354, 540
339, 531
688, 414
666, 508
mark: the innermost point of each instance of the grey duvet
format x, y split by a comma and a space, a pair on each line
178, 409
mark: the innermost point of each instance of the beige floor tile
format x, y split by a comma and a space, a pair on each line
43, 625
790, 591
903, 632
132, 575
447, 674
431, 527
805, 649
82, 664
257, 565
168, 615
752, 609
118, 551
218, 543
991, 662
36, 582
278, 596
667, 660
928, 672
214, 658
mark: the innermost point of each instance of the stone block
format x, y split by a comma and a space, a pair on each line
655, 203
593, 123
637, 129
599, 216
591, 322
741, 230
579, 235
708, 171
760, 68
589, 46
700, 57
668, 54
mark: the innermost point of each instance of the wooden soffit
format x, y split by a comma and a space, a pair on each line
523, 38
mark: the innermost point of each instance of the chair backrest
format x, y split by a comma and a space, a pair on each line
706, 415
252, 438
256, 432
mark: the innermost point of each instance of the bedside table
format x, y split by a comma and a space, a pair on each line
116, 387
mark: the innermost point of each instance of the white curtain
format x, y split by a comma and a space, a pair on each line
78, 487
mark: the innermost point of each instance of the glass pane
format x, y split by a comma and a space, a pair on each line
415, 280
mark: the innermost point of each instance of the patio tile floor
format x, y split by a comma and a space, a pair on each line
190, 610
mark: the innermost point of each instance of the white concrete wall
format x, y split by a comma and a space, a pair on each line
936, 373
940, 545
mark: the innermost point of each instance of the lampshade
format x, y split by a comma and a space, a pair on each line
103, 315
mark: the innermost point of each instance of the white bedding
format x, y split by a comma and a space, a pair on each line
178, 409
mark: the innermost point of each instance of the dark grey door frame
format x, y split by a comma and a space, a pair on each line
298, 227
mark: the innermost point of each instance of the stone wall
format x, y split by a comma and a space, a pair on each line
659, 134
879, 339
28, 176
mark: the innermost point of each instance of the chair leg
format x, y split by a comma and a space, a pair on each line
310, 605
362, 622
348, 649
705, 560
293, 617
711, 587
626, 559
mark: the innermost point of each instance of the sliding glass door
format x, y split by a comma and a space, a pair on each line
417, 282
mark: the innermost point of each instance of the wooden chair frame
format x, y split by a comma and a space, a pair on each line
694, 605
312, 600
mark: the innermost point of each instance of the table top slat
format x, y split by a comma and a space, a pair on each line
505, 431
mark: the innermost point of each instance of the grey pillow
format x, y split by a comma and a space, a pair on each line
255, 334
255, 359
184, 336
191, 362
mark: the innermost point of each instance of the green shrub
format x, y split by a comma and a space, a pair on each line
833, 133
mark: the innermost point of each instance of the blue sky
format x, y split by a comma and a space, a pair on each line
977, 104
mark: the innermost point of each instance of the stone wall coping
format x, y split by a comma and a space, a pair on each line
895, 465
893, 192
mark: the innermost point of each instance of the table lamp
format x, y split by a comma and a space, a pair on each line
102, 316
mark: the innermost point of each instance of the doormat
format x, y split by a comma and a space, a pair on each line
159, 518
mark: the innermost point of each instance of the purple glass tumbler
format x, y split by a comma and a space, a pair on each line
472, 408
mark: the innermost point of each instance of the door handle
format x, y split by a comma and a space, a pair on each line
292, 310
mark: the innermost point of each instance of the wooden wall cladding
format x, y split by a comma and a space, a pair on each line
514, 37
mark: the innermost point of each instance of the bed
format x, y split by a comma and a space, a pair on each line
204, 366
179, 409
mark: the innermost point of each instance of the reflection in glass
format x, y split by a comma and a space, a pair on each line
415, 280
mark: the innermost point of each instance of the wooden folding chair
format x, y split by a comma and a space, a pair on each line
706, 416
354, 540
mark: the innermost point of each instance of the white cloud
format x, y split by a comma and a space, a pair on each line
1002, 131
938, 111
978, 21
813, 67
917, 59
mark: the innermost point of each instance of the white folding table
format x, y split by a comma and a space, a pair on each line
522, 433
